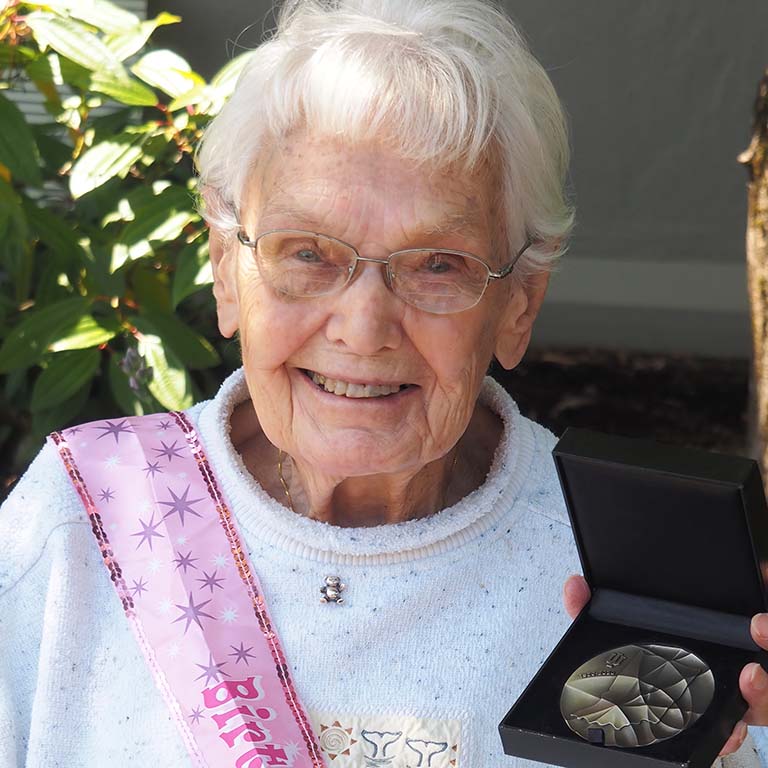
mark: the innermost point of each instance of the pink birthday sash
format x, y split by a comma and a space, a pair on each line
188, 590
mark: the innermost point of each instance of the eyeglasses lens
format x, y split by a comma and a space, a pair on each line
438, 282
303, 264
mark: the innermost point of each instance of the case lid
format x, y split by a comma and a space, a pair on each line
677, 524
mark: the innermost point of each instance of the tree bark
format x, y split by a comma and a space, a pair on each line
755, 158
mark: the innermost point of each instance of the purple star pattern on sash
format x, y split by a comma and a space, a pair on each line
211, 581
148, 531
196, 714
180, 505
139, 587
242, 653
114, 429
228, 713
106, 494
211, 671
170, 452
192, 612
185, 561
152, 469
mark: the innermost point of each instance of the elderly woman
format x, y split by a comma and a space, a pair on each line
353, 554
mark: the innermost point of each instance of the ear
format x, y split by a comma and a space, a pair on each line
223, 254
514, 332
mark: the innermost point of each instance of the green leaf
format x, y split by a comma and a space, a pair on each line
13, 223
224, 81
96, 277
88, 332
57, 235
200, 94
192, 349
46, 421
44, 71
16, 384
210, 98
123, 88
167, 71
74, 75
48, 288
137, 200
170, 383
18, 151
64, 375
125, 397
15, 248
27, 342
54, 153
109, 123
151, 287
74, 40
101, 14
13, 55
163, 220
193, 271
109, 158
125, 44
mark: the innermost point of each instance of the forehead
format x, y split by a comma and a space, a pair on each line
317, 181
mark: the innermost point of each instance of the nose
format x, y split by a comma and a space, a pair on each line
366, 316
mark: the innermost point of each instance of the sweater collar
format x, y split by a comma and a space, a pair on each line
262, 518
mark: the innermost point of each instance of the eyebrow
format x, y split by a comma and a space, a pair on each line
453, 223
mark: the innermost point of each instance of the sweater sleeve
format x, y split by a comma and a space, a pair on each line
41, 511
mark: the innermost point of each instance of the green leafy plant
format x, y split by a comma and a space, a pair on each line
102, 253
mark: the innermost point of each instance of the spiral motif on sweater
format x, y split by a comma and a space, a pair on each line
334, 740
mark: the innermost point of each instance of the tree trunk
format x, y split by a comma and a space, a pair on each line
755, 158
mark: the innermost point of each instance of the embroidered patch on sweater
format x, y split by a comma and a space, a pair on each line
387, 741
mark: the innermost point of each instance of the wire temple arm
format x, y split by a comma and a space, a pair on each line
509, 267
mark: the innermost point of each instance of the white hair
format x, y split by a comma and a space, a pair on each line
450, 83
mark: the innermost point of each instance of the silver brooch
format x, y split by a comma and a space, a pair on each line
331, 592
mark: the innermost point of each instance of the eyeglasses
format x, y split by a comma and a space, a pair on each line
307, 264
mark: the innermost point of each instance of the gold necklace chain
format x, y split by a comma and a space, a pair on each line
281, 454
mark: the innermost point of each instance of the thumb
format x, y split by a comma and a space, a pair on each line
576, 594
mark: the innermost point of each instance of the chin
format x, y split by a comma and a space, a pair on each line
349, 457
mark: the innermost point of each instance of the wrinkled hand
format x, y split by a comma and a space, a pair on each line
753, 680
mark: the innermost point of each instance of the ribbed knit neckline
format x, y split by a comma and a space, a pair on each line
260, 517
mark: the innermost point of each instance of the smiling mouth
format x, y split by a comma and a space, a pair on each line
352, 390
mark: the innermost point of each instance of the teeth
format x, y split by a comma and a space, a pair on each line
338, 387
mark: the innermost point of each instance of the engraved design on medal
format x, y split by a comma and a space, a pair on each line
637, 695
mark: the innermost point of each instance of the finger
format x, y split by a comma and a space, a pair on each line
753, 683
736, 739
576, 594
759, 629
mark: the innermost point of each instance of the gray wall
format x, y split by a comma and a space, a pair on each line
659, 98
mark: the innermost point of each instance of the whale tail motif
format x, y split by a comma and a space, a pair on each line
426, 750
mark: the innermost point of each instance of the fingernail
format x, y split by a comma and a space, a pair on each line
758, 678
760, 625
740, 730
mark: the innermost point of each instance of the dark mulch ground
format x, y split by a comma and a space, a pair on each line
680, 400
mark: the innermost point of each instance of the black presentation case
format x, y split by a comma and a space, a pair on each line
674, 545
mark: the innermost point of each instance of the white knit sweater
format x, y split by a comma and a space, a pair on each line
445, 619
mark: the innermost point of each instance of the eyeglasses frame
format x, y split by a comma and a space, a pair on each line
500, 275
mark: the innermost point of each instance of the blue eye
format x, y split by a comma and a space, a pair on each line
308, 256
440, 263
438, 266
